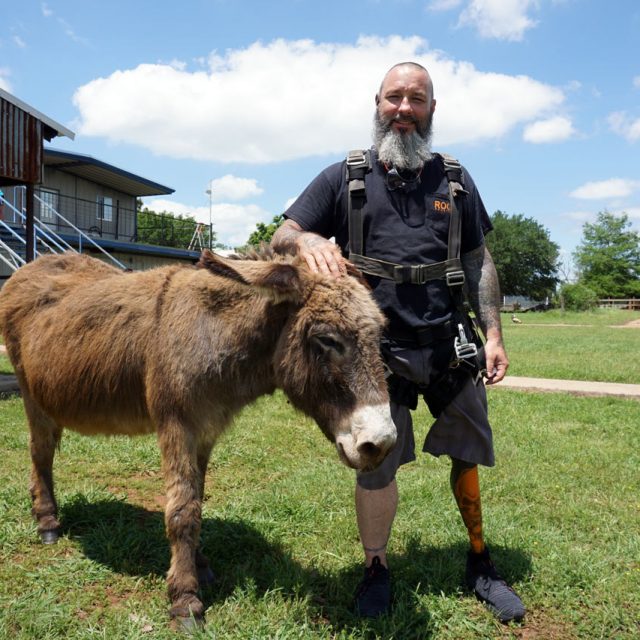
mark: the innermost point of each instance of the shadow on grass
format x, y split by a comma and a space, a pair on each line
131, 540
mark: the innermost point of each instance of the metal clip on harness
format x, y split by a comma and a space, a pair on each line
463, 348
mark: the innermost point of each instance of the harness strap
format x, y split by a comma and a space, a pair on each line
453, 171
449, 270
358, 165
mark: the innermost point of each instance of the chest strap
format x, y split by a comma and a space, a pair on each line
358, 165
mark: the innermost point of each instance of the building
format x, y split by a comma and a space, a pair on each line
68, 200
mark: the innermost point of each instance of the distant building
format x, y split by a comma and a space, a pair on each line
45, 190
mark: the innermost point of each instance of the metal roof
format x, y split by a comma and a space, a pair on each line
102, 173
52, 128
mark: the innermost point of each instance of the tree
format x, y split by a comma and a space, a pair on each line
578, 297
525, 257
608, 258
264, 232
166, 229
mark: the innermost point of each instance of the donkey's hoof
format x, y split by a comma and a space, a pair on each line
49, 537
206, 577
188, 625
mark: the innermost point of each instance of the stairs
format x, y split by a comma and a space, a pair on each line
13, 249
13, 244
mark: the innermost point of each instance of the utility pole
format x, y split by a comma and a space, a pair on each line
210, 192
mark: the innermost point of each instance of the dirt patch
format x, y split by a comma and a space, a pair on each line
537, 626
552, 324
142, 489
632, 324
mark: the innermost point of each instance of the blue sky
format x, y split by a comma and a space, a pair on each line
540, 99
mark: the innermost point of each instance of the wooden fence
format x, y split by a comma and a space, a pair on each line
632, 304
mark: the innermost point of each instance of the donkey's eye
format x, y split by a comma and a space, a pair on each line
326, 343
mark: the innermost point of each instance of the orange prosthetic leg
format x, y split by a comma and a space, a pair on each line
481, 575
465, 485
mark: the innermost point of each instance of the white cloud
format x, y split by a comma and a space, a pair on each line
499, 19
5, 72
612, 188
284, 100
289, 202
232, 188
624, 125
232, 223
551, 130
69, 31
19, 42
636, 82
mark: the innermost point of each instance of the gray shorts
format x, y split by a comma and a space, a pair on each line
461, 431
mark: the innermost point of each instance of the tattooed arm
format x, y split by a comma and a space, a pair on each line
484, 296
320, 254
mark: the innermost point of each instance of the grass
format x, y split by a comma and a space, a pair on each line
597, 317
574, 346
561, 517
5, 365
564, 345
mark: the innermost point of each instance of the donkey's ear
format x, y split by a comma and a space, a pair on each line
278, 280
219, 266
281, 281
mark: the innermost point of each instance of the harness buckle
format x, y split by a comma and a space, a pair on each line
463, 348
418, 273
410, 273
356, 158
454, 278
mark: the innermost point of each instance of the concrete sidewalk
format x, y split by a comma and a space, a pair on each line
575, 387
9, 386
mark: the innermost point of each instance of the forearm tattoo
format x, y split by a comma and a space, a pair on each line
483, 287
284, 239
290, 239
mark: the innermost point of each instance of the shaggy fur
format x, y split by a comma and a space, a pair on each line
180, 350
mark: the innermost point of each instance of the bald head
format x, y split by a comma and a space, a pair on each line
404, 68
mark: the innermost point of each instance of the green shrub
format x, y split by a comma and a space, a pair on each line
579, 297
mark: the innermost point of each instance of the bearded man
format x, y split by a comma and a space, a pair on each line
403, 223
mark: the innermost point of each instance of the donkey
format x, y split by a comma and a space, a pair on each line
180, 350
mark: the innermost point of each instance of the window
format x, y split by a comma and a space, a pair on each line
105, 208
48, 205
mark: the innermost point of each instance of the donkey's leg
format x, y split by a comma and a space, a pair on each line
44, 437
178, 447
206, 577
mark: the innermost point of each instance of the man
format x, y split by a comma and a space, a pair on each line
405, 221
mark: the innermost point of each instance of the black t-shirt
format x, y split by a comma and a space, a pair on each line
405, 227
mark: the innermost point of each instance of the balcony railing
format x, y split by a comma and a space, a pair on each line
109, 220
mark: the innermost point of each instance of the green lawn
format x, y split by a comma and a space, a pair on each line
561, 513
5, 365
598, 317
574, 346
566, 345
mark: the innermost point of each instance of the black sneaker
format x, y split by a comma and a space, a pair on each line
483, 579
373, 596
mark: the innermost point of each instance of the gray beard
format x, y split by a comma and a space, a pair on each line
402, 150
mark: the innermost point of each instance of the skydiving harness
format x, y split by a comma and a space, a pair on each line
462, 328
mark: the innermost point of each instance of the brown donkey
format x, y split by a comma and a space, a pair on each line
180, 350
